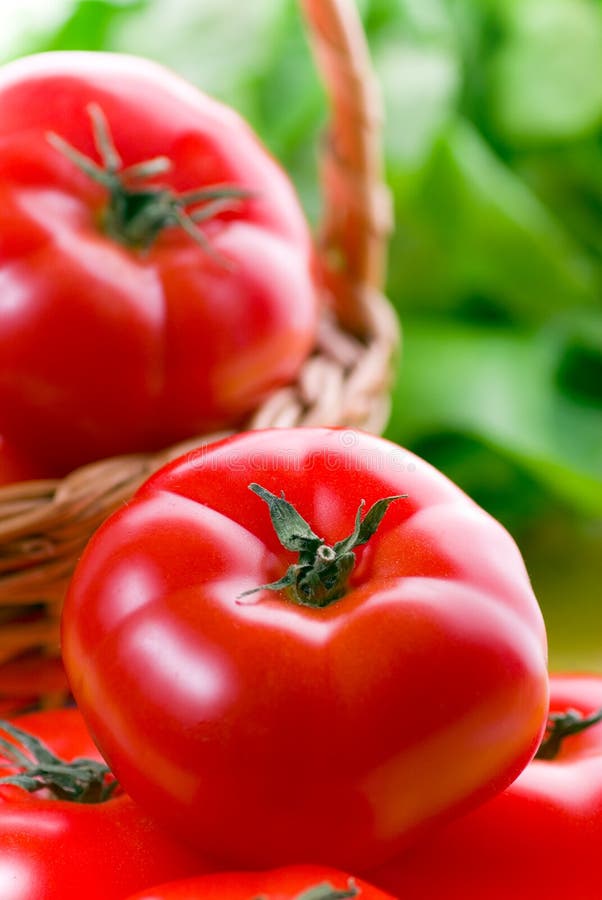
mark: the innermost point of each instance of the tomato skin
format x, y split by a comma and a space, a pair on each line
107, 349
427, 680
58, 850
539, 838
16, 466
32, 674
24, 680
279, 884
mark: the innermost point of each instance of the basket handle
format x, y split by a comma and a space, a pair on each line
357, 217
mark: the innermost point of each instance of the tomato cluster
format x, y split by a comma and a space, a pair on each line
306, 665
540, 837
337, 670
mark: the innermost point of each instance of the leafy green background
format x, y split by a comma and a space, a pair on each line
494, 156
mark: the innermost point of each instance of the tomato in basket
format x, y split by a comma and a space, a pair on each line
156, 267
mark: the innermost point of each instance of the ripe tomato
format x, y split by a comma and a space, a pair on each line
25, 679
539, 838
129, 318
290, 883
339, 714
58, 849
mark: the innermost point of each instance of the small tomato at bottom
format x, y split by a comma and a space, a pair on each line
288, 883
62, 849
541, 837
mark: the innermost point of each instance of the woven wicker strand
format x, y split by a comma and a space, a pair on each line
44, 525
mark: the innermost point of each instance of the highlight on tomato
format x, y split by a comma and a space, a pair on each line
541, 837
157, 269
67, 831
306, 644
290, 883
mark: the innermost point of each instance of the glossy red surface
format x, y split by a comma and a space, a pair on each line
105, 348
539, 838
273, 733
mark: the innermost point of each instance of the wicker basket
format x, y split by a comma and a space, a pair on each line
44, 525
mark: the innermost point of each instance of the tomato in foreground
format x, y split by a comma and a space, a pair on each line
324, 694
156, 267
539, 838
290, 883
76, 838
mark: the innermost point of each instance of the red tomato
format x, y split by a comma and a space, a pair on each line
118, 334
54, 849
271, 731
290, 883
15, 465
31, 675
23, 681
539, 838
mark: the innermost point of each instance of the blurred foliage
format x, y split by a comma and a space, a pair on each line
494, 155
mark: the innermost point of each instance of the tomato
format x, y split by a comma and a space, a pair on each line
290, 883
131, 318
539, 838
15, 465
32, 674
59, 849
272, 727
25, 679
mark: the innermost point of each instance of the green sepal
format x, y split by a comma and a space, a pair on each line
561, 726
293, 531
79, 781
320, 575
324, 891
136, 215
368, 526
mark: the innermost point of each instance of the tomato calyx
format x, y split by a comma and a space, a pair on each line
321, 574
80, 781
137, 212
326, 891
561, 726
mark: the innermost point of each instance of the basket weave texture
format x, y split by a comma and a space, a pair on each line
44, 525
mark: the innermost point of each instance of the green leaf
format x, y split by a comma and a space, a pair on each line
66, 25
502, 387
420, 86
477, 230
546, 78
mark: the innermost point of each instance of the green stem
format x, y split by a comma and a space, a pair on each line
79, 781
137, 212
325, 891
320, 575
561, 726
